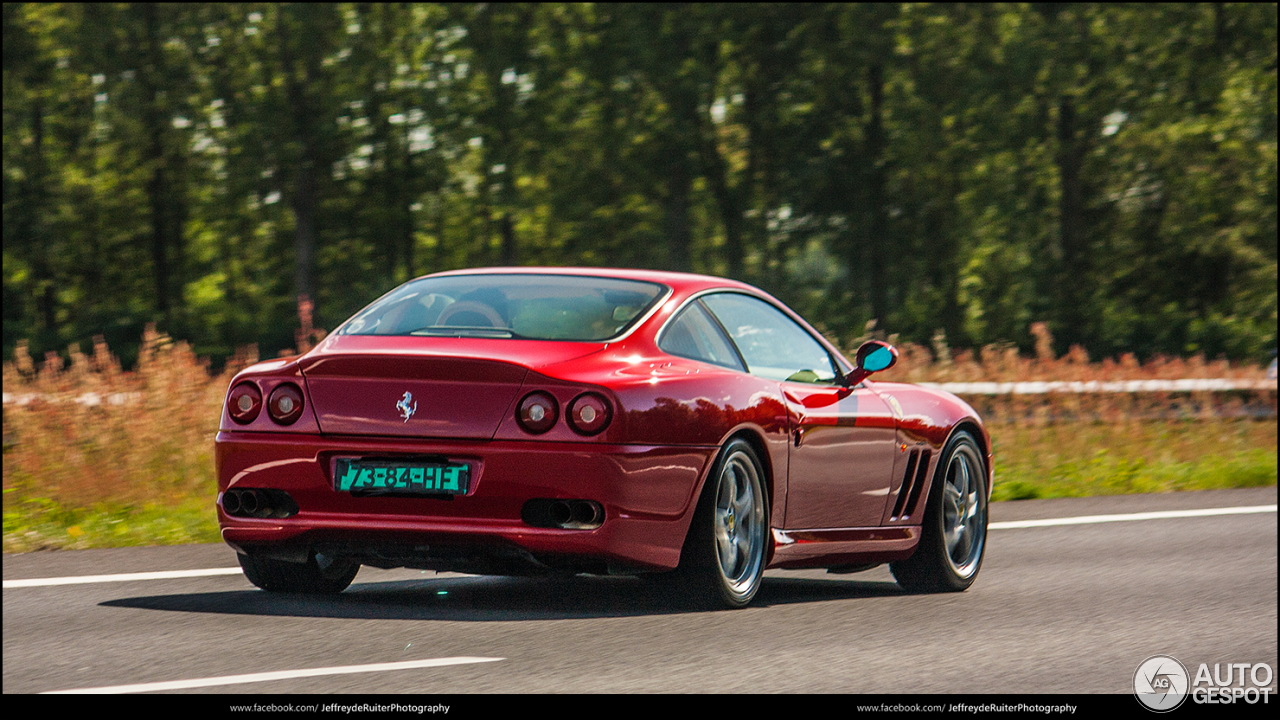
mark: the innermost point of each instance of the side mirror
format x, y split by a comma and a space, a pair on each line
872, 357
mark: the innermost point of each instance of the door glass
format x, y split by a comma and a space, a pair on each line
773, 345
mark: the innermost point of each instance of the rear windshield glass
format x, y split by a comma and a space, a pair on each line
535, 307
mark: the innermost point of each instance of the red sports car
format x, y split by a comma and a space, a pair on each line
513, 421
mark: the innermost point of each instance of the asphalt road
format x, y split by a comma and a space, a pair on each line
1071, 608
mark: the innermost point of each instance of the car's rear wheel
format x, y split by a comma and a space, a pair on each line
953, 537
319, 575
724, 555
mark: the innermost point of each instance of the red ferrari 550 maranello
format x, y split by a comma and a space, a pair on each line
518, 420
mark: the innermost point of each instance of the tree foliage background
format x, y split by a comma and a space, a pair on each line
961, 169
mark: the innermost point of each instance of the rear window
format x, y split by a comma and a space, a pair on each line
534, 307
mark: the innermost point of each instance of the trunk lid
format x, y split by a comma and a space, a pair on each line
423, 386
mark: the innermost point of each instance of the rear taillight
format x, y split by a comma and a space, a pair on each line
285, 404
589, 414
244, 402
537, 413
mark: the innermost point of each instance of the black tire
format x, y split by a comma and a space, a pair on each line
953, 537
308, 578
722, 562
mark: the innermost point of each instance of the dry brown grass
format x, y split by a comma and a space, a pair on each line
1004, 364
85, 432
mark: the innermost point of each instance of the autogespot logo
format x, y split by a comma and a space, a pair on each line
1161, 683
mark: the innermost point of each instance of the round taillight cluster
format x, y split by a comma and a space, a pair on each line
285, 404
537, 413
244, 402
589, 414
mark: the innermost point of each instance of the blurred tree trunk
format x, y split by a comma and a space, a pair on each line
876, 236
677, 212
164, 187
1073, 286
509, 248
300, 76
37, 195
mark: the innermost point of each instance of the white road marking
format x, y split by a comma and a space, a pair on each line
123, 577
1008, 525
1091, 519
268, 676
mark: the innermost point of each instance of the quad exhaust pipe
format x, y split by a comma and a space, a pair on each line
258, 503
566, 514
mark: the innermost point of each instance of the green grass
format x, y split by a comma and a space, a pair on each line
1107, 474
1074, 460
1080, 460
35, 523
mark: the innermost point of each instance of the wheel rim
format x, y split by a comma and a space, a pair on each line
964, 511
739, 523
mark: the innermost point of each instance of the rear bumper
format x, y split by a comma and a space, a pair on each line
648, 495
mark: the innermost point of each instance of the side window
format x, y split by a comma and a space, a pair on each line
773, 345
694, 334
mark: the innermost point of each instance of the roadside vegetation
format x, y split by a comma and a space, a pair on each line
95, 456
1108, 168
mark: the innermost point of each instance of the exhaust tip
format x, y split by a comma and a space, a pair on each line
248, 502
560, 513
563, 514
264, 504
586, 512
231, 502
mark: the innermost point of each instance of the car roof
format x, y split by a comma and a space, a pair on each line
683, 286
681, 283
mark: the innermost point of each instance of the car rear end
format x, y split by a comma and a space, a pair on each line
461, 447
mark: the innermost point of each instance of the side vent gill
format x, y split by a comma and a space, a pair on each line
912, 481
905, 489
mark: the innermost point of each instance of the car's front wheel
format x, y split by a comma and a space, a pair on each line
723, 560
953, 538
318, 576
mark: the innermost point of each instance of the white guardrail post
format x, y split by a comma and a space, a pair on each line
1097, 386
1035, 387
